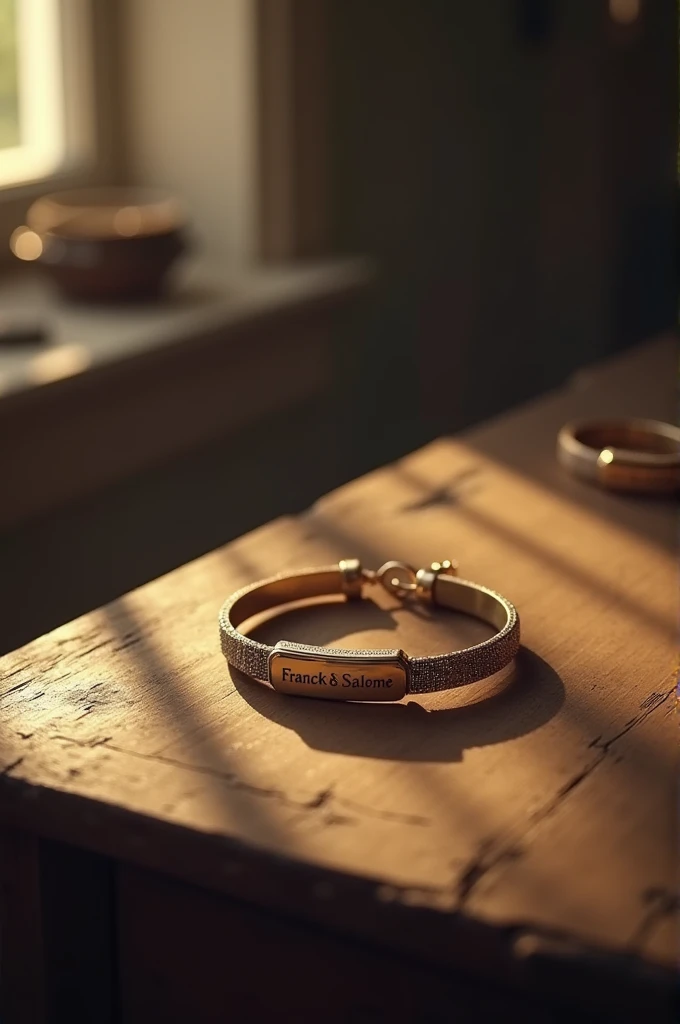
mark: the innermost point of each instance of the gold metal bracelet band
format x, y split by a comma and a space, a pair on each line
624, 454
375, 675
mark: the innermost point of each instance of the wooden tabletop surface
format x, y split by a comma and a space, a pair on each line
516, 831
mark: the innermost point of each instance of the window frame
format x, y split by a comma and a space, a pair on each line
90, 58
43, 143
292, 69
291, 159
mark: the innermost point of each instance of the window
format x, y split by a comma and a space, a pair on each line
33, 143
9, 86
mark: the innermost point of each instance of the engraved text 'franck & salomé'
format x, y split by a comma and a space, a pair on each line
338, 676
344, 679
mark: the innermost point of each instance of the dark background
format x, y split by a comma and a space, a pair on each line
512, 166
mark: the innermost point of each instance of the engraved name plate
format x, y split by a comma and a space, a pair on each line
332, 674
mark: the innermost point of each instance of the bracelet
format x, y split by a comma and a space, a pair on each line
376, 675
623, 455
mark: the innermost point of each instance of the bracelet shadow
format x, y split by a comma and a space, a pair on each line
409, 730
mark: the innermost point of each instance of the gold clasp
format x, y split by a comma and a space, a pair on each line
398, 578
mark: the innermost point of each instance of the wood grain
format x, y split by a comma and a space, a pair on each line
525, 834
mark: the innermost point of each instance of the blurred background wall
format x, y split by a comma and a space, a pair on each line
512, 167
187, 73
508, 167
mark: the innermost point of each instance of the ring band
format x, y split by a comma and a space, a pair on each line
375, 675
623, 455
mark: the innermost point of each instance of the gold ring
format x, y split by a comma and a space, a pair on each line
623, 454
375, 675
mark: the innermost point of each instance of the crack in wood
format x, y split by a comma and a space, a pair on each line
402, 817
337, 819
571, 785
448, 494
96, 647
78, 639
326, 796
603, 748
89, 708
22, 686
651, 701
15, 689
90, 744
127, 642
495, 853
660, 903
321, 800
660, 698
480, 865
230, 778
16, 671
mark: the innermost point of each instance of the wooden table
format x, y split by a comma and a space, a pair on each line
182, 844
